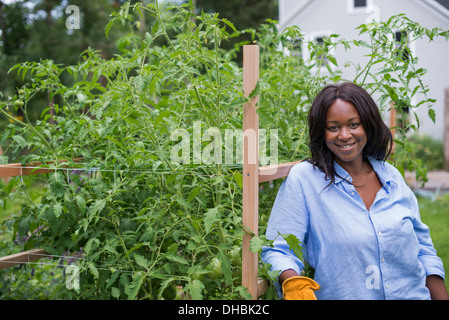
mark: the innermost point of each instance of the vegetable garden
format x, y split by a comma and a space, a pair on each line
141, 185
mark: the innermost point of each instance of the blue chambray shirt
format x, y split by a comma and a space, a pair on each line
383, 253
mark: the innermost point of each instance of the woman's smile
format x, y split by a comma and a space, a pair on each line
347, 147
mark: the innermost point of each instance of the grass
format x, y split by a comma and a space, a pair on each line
436, 215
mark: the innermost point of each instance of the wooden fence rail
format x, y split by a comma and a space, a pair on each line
22, 257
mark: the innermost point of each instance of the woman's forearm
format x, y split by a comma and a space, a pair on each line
436, 286
287, 274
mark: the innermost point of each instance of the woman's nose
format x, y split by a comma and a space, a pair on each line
345, 134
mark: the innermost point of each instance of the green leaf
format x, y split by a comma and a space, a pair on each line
238, 179
57, 209
20, 141
97, 207
244, 293
137, 246
431, 113
193, 194
80, 202
225, 267
210, 217
111, 280
164, 285
184, 203
115, 292
176, 258
93, 269
332, 59
195, 289
256, 244
133, 288
230, 24
293, 244
255, 92
141, 261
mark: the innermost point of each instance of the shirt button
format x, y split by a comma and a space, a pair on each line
386, 285
383, 259
380, 233
352, 193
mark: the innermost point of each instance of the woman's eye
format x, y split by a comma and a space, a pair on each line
354, 125
332, 128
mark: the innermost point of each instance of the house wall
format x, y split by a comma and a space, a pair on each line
333, 16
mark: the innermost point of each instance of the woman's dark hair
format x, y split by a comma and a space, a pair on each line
379, 138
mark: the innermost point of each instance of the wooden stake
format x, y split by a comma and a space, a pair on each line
446, 129
393, 125
250, 168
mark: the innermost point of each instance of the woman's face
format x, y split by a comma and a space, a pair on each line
345, 135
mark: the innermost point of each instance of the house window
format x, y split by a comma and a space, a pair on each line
359, 6
319, 51
296, 45
321, 48
360, 3
401, 45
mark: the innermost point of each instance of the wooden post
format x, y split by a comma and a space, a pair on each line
393, 125
250, 168
446, 129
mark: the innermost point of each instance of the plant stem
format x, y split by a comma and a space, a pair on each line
159, 17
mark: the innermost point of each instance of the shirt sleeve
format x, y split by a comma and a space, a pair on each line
427, 254
288, 216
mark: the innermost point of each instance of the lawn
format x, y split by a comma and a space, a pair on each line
436, 215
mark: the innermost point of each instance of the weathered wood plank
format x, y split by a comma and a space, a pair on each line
22, 257
250, 168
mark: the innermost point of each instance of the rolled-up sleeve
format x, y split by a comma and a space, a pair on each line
288, 216
432, 264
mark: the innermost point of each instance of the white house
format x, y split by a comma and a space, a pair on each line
317, 18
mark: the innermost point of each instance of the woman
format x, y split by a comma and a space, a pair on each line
357, 220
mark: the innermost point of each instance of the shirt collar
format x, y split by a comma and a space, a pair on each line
378, 166
341, 173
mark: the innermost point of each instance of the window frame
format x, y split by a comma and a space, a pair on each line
352, 9
313, 36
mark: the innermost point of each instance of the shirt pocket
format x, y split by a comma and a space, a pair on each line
399, 221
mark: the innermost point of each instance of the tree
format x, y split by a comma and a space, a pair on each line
35, 30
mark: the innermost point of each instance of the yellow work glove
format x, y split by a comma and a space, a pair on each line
299, 288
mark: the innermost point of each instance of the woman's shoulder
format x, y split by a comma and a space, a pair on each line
302, 169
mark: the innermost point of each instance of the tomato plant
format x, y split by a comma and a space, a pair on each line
147, 225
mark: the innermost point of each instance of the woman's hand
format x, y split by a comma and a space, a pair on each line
296, 287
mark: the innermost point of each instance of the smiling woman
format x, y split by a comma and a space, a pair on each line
355, 217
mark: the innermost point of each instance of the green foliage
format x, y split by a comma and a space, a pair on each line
144, 223
424, 149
